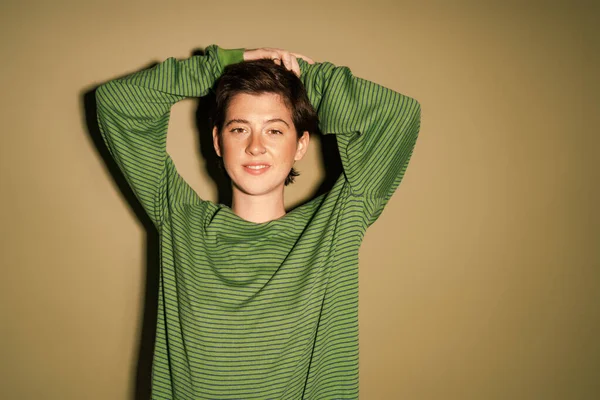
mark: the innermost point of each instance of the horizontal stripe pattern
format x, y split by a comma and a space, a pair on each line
258, 311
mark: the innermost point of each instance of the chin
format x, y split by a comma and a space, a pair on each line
258, 189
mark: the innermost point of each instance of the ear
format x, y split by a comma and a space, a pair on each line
302, 146
216, 143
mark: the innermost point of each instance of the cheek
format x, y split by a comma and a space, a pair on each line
228, 156
230, 148
287, 151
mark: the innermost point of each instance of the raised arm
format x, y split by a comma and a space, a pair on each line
133, 116
376, 129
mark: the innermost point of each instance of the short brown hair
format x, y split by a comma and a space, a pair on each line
264, 76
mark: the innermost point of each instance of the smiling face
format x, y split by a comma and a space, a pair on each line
259, 143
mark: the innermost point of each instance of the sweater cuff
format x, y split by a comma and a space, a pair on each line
230, 56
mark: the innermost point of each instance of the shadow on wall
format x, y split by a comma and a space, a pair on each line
333, 169
146, 344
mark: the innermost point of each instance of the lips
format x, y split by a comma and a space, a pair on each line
256, 168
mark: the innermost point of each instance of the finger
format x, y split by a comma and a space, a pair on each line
263, 53
257, 54
277, 55
295, 66
287, 60
273, 53
307, 59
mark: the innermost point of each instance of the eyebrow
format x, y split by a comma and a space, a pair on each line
243, 121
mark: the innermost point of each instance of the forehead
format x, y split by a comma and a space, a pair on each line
257, 107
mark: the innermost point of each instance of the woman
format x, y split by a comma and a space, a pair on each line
254, 302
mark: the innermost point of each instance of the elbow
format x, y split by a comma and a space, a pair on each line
103, 93
109, 94
415, 107
414, 119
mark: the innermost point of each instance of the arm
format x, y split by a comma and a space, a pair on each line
376, 129
133, 116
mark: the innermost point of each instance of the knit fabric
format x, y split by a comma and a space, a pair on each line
269, 310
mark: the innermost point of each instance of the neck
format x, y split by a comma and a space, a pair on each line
258, 209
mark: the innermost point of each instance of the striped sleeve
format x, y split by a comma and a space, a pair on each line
376, 129
133, 116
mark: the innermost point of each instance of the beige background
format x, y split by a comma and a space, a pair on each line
481, 278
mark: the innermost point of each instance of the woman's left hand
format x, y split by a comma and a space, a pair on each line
279, 56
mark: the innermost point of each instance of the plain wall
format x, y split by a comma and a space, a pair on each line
480, 279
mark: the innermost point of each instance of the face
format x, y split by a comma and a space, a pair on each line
259, 143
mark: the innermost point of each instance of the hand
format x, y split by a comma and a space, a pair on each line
289, 60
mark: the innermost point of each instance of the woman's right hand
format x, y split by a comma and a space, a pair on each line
279, 56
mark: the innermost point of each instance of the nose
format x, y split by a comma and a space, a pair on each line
255, 145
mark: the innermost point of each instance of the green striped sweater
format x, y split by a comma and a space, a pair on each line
269, 310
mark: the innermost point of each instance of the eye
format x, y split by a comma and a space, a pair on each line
237, 130
275, 131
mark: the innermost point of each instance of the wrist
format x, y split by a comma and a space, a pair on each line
230, 56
